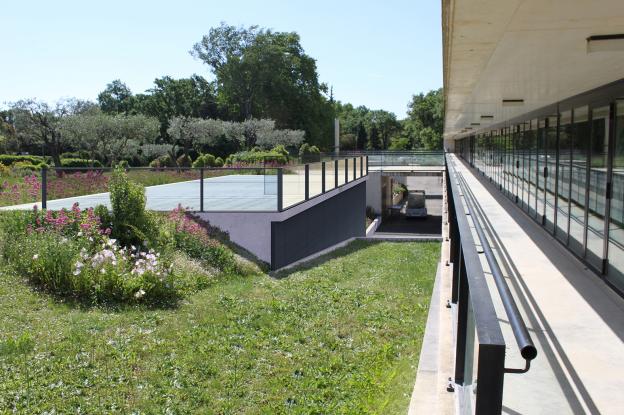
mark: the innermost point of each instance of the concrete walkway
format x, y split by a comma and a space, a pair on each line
576, 321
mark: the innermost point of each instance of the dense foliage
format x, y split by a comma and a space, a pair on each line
362, 128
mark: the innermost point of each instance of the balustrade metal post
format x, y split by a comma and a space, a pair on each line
44, 188
280, 189
201, 189
307, 181
462, 322
322, 177
346, 171
336, 174
366, 165
354, 167
490, 372
361, 166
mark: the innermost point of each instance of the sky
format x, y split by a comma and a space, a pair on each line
373, 53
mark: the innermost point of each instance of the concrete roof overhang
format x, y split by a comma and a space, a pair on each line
531, 50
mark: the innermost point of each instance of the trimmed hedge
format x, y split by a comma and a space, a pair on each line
208, 160
162, 162
257, 157
80, 163
9, 159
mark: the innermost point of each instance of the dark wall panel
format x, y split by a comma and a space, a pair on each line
330, 222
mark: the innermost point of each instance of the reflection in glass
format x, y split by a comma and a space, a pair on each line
563, 175
579, 142
615, 271
597, 185
551, 163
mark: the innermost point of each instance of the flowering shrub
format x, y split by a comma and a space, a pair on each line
194, 240
114, 273
70, 254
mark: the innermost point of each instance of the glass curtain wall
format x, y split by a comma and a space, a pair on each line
533, 172
567, 171
563, 176
615, 269
551, 173
598, 150
578, 184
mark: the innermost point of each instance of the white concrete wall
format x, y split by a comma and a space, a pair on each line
373, 191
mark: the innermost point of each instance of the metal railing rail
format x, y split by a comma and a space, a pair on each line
518, 326
351, 169
470, 293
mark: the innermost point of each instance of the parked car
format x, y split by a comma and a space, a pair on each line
416, 204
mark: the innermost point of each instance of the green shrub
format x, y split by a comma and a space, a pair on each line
123, 164
131, 222
280, 149
4, 170
207, 160
45, 258
25, 165
75, 268
75, 155
219, 162
9, 159
162, 162
75, 163
184, 161
257, 157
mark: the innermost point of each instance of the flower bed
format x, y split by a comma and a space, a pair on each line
123, 256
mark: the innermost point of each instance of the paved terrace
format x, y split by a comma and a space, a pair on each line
576, 321
225, 193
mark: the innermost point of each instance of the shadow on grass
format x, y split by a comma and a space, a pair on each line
86, 304
350, 248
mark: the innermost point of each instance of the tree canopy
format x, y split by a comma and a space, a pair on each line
265, 74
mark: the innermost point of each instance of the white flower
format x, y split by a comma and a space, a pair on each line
139, 294
35, 256
77, 271
102, 271
80, 233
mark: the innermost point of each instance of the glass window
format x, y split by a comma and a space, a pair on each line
542, 156
597, 185
533, 171
551, 163
563, 175
615, 271
578, 181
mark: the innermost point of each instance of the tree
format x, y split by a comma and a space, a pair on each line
186, 97
430, 139
361, 136
426, 111
37, 122
265, 74
112, 137
374, 140
386, 124
116, 98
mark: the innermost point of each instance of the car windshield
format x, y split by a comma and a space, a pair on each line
415, 200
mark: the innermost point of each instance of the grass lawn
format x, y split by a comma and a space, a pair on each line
341, 335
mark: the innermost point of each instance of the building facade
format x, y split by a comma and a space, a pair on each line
534, 99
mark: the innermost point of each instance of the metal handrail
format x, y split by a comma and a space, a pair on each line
523, 339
